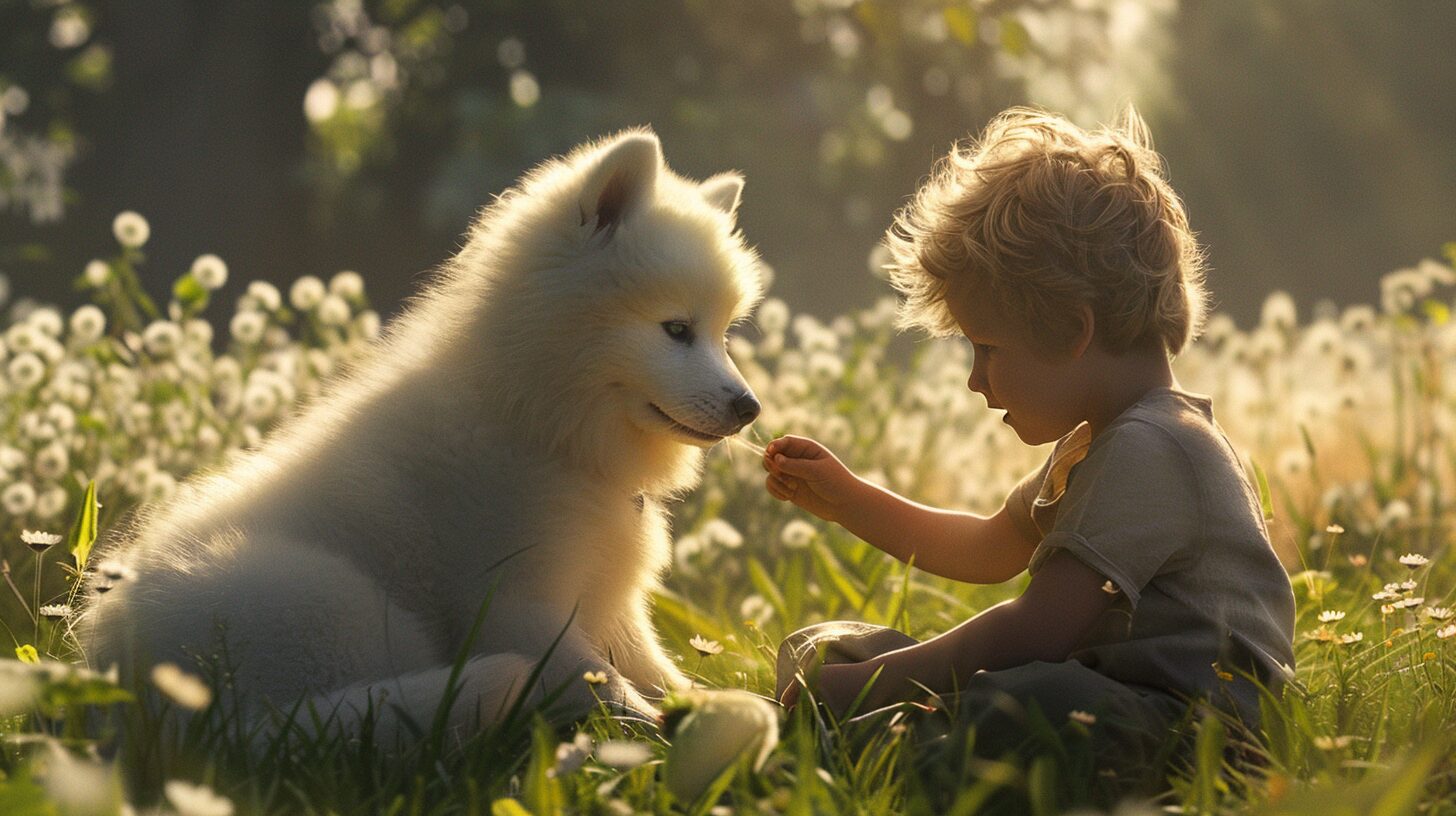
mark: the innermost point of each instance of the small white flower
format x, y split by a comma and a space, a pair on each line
1438, 613
306, 293
196, 800
247, 327
1279, 311
210, 272
347, 285
97, 273
1110, 588
131, 230
50, 503
1082, 717
705, 647
333, 311
1325, 743
1330, 616
39, 540
47, 321
198, 333
260, 401
367, 324
595, 678
797, 534
1408, 603
571, 755
1334, 529
159, 487
55, 611
721, 533
1414, 560
185, 689
1352, 638
18, 499
88, 323
265, 295
26, 370
51, 462
162, 338
1446, 631
623, 755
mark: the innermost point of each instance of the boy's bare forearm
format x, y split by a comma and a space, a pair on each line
956, 545
1046, 623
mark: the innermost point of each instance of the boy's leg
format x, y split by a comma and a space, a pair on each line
1134, 721
802, 652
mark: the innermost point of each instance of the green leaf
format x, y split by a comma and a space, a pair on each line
508, 807
1266, 499
83, 532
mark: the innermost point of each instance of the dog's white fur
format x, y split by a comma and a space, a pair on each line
501, 437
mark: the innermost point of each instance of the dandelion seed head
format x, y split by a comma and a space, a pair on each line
210, 272
306, 293
196, 800
131, 229
623, 755
186, 690
97, 273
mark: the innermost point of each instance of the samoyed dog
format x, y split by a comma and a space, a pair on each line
512, 438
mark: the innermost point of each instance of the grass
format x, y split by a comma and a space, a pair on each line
1345, 419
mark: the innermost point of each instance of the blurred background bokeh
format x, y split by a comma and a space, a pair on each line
1313, 140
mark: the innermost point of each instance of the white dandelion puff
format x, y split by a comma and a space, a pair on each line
306, 293
131, 229
623, 755
186, 690
196, 800
210, 272
97, 273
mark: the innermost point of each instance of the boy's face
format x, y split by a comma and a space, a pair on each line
1043, 395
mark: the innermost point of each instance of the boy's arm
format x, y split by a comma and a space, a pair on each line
961, 546
951, 544
1062, 603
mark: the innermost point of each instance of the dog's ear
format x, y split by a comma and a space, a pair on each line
723, 191
624, 177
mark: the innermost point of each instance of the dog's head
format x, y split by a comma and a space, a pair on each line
613, 283
681, 278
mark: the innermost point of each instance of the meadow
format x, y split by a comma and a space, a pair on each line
1345, 418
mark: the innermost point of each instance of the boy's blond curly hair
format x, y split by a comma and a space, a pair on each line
1045, 216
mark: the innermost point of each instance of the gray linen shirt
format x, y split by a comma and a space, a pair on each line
1159, 504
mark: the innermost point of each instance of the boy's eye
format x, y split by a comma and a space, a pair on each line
678, 330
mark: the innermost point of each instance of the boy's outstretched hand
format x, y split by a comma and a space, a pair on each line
804, 472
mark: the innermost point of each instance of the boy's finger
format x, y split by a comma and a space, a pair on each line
802, 468
797, 447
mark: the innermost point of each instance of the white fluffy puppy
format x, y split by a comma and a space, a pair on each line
513, 434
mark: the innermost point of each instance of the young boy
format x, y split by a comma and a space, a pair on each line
1066, 259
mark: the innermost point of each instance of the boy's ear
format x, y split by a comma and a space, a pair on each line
1086, 330
623, 179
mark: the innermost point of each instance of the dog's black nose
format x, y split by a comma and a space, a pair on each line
746, 407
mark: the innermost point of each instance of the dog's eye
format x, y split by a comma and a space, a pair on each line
678, 330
